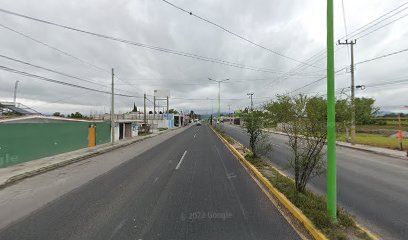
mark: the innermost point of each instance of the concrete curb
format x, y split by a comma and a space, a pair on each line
296, 212
14, 179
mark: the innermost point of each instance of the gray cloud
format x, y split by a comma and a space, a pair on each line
294, 28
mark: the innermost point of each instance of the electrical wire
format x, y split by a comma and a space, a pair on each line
382, 56
235, 34
363, 28
382, 26
129, 42
55, 49
61, 82
58, 72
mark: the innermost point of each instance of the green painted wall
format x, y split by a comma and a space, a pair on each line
22, 142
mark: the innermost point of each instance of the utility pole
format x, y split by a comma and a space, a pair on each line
144, 112
113, 108
219, 95
331, 119
15, 91
167, 111
353, 89
154, 110
252, 104
229, 113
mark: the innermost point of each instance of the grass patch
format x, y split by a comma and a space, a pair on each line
224, 135
376, 140
162, 129
311, 204
380, 127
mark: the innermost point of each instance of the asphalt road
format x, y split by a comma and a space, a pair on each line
372, 187
187, 187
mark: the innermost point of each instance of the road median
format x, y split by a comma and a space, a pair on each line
310, 215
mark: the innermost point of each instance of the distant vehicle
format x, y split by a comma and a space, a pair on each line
198, 123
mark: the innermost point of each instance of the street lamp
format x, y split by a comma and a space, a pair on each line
250, 96
15, 91
219, 87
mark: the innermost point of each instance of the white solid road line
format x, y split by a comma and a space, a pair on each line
194, 135
181, 159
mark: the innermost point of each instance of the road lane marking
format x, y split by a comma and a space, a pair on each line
194, 135
181, 159
156, 179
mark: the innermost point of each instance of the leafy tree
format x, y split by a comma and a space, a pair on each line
303, 119
150, 112
76, 115
56, 114
254, 123
173, 111
343, 113
134, 107
365, 110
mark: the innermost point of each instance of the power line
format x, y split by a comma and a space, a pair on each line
358, 31
57, 72
315, 81
59, 51
375, 21
55, 49
382, 26
345, 22
60, 82
236, 34
50, 70
361, 62
166, 50
383, 56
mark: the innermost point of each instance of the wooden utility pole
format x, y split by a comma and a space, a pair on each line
113, 108
353, 89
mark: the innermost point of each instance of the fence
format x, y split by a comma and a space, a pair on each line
22, 142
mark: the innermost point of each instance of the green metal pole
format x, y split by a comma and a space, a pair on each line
331, 118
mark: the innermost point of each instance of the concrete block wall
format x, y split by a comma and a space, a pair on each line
22, 142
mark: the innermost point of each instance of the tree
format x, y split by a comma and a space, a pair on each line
254, 123
173, 111
343, 113
365, 110
303, 119
134, 107
150, 112
56, 114
76, 115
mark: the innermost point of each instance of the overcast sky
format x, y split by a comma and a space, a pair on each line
296, 29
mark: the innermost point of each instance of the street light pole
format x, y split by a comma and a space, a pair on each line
15, 91
252, 104
113, 108
219, 95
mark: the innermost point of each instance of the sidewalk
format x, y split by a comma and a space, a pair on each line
376, 150
10, 175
